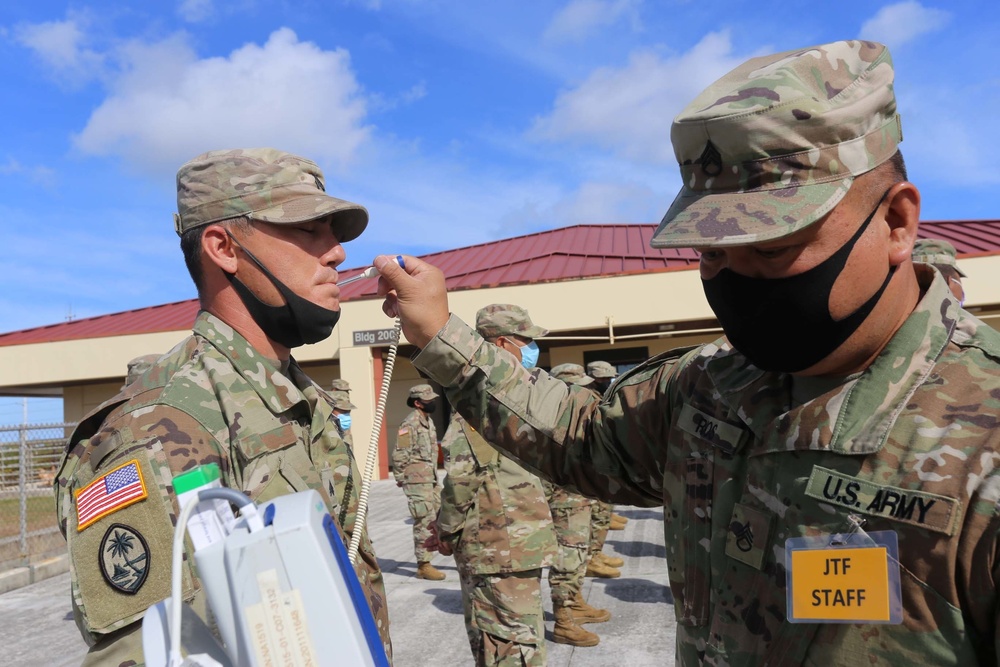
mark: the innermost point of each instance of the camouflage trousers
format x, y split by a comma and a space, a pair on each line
423, 501
600, 523
504, 618
571, 516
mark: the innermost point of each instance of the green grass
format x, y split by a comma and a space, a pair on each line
41, 514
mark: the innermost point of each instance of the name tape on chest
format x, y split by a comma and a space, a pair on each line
721, 434
918, 508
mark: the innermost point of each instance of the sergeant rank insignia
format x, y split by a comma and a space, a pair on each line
124, 559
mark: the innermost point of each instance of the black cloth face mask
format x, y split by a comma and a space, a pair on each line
784, 324
298, 322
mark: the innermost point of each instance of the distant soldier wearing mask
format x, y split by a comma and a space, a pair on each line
342, 407
414, 465
941, 255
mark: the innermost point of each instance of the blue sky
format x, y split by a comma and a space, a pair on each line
455, 122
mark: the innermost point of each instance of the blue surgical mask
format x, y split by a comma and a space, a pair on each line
529, 355
345, 421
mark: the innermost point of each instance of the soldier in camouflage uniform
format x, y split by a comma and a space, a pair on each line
414, 465
495, 519
602, 515
941, 255
571, 515
852, 400
342, 407
229, 394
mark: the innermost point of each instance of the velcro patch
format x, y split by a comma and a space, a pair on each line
404, 430
918, 508
124, 558
723, 435
749, 535
109, 493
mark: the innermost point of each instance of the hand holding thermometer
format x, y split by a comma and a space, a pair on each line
370, 272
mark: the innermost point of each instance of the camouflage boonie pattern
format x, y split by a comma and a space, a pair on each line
340, 385
506, 319
504, 618
262, 184
138, 366
212, 399
342, 401
494, 513
414, 465
423, 392
723, 448
601, 369
775, 144
571, 374
495, 518
938, 253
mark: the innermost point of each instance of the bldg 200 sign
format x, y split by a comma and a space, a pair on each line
376, 337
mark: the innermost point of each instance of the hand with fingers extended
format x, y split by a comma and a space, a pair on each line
416, 295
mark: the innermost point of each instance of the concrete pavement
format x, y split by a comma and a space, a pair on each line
37, 628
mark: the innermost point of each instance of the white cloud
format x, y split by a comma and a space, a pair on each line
166, 105
629, 110
581, 18
62, 47
38, 174
195, 11
895, 25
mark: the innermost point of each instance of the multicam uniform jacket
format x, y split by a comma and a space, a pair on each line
493, 512
414, 459
912, 445
212, 399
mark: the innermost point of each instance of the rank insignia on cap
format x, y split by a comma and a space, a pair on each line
124, 559
711, 160
109, 493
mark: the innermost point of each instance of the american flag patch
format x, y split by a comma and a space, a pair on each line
119, 488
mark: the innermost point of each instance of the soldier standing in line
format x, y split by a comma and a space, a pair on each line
603, 517
571, 517
941, 255
414, 465
851, 388
342, 407
495, 519
262, 241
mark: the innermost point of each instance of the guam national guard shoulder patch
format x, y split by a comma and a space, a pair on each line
124, 558
109, 493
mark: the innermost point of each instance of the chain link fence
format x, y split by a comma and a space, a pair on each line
29, 460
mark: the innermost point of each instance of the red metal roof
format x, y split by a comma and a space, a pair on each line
580, 251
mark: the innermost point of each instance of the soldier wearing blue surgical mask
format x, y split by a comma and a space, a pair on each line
342, 407
510, 327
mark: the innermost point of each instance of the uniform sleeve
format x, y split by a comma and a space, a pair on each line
612, 449
401, 454
460, 485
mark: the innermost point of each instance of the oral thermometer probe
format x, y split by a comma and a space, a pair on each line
370, 272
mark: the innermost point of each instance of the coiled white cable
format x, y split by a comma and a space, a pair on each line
372, 460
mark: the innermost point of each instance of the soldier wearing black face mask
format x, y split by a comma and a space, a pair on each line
849, 407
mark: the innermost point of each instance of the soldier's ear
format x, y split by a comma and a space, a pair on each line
218, 248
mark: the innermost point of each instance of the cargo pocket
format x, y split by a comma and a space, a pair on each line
120, 537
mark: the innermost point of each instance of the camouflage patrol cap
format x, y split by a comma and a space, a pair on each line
506, 319
938, 252
136, 367
571, 374
774, 145
601, 369
340, 385
263, 184
424, 392
341, 401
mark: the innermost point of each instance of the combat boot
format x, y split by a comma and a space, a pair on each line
617, 522
584, 613
427, 571
566, 630
611, 561
597, 568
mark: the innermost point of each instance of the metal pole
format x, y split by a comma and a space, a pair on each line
22, 475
